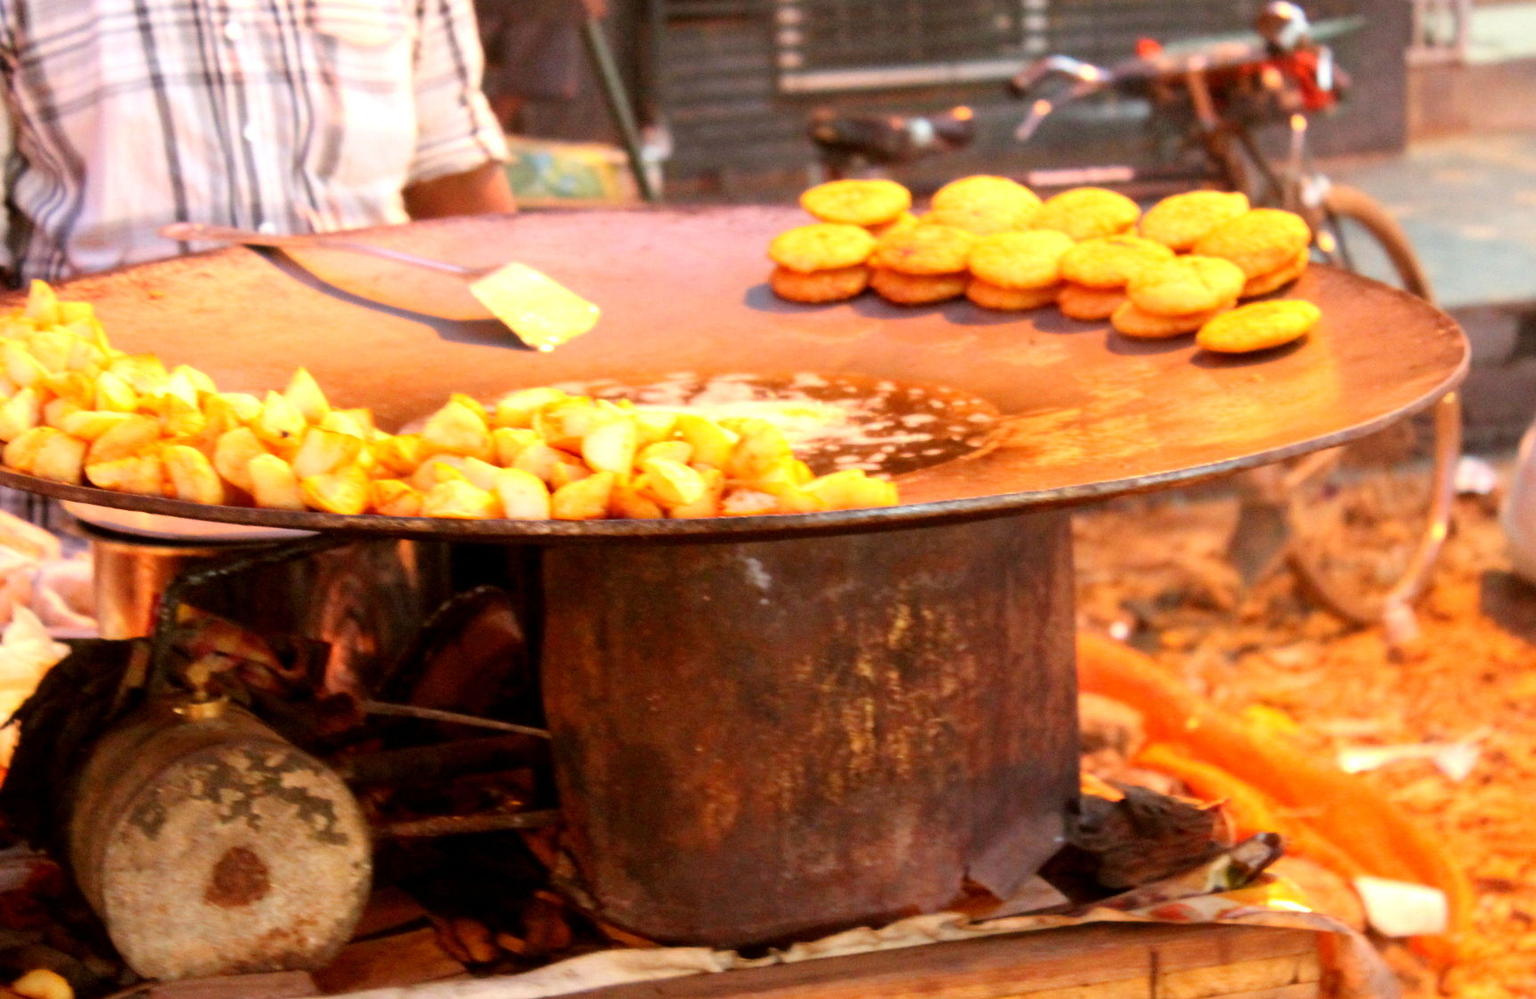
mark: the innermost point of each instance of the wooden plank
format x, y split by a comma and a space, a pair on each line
264, 985
1105, 961
1240, 976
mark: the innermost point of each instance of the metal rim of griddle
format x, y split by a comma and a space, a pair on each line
1360, 300
722, 528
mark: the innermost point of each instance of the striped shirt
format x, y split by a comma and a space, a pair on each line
277, 115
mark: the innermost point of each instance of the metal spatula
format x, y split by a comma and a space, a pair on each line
541, 311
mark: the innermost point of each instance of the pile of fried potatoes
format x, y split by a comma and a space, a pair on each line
1088, 251
77, 410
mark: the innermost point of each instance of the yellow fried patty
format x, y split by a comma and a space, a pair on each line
1111, 261
831, 285
1185, 285
1020, 260
856, 202
1178, 221
983, 204
1086, 212
1259, 326
1259, 241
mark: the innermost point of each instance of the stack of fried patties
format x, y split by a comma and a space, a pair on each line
1088, 250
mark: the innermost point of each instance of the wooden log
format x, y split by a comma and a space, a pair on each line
209, 846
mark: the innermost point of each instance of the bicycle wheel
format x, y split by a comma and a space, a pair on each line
1367, 519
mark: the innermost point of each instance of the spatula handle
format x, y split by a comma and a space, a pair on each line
199, 232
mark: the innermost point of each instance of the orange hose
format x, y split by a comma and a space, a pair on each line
1343, 810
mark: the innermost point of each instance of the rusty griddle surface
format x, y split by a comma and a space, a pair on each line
1087, 413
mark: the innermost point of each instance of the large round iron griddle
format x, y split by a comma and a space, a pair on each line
1087, 413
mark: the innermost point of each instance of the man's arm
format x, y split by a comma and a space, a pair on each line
482, 189
459, 143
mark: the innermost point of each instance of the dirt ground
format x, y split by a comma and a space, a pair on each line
1152, 570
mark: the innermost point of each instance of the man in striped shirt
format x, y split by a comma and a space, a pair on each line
277, 115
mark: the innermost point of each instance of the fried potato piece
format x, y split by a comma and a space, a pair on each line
567, 423
343, 491
917, 289
460, 499
670, 483
833, 285
1089, 304
611, 447
1185, 285
144, 372
191, 474
115, 394
89, 424
457, 428
1259, 326
821, 246
1020, 260
273, 484
743, 501
983, 204
48, 453
678, 451
143, 475
925, 249
653, 425
399, 454
708, 503
1260, 241
990, 296
516, 409
232, 455
40, 983
857, 201
393, 498
1263, 284
280, 420
353, 422
438, 468
23, 411
509, 442
712, 444
21, 367
523, 495
627, 502
851, 489
1180, 220
540, 460
57, 410
178, 417
1086, 212
762, 447
130, 438
479, 473
1111, 261
42, 305
584, 499
323, 451
1134, 322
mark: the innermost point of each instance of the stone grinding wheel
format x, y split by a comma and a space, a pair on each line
213, 847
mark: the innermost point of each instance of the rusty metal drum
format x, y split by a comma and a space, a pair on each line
210, 846
755, 741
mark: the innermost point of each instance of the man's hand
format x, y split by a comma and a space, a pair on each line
473, 192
